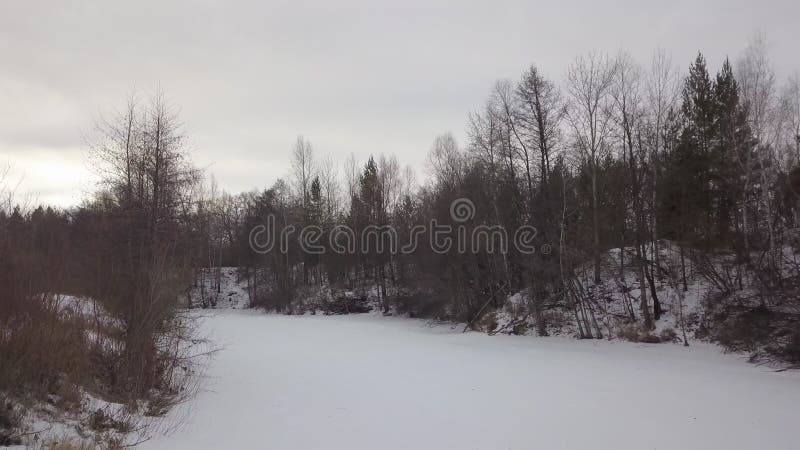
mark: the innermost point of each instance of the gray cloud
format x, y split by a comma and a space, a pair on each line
352, 76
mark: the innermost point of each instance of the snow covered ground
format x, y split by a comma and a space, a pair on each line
369, 382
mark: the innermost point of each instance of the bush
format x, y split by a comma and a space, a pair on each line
633, 333
668, 335
649, 338
420, 305
791, 352
10, 420
746, 330
29, 363
628, 333
488, 322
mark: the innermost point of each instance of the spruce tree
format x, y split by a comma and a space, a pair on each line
730, 156
691, 161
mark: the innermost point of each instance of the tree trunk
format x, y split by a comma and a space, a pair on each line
643, 305
656, 303
595, 226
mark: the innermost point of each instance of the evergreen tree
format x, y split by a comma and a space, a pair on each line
690, 163
730, 154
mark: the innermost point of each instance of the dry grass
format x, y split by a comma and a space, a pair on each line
40, 348
72, 443
53, 359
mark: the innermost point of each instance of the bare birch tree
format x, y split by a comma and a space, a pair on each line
662, 90
790, 110
756, 78
628, 112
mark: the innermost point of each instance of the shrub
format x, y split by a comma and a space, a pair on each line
628, 333
420, 305
649, 338
668, 335
633, 333
10, 420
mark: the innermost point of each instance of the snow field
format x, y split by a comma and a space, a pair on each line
370, 382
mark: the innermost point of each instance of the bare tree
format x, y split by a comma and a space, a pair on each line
484, 135
119, 151
542, 111
329, 180
512, 146
487, 144
149, 184
351, 175
790, 110
628, 112
6, 189
539, 113
408, 182
663, 90
303, 168
589, 82
389, 181
445, 161
756, 78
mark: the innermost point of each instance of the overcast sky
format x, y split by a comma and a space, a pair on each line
353, 77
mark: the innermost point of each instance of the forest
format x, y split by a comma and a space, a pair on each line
694, 177
640, 179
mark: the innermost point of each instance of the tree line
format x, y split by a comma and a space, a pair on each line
615, 155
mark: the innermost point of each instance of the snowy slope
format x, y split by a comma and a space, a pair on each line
232, 291
368, 382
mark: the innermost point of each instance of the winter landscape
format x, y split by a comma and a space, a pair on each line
419, 226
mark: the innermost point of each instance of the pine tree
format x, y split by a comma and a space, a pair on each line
690, 163
730, 157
